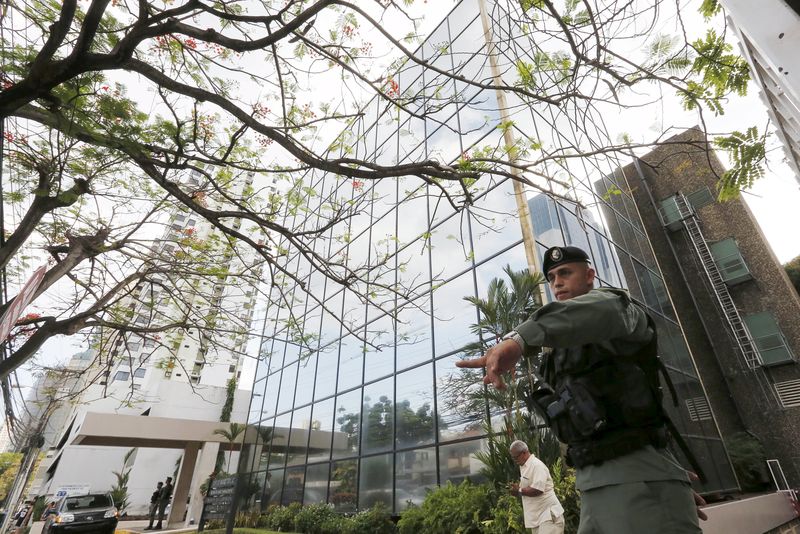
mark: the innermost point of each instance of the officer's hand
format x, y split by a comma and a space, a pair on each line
499, 359
699, 501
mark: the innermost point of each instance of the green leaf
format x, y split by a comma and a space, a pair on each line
748, 152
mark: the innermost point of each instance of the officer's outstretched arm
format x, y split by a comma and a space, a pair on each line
501, 358
595, 317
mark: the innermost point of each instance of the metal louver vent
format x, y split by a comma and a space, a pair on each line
789, 393
698, 409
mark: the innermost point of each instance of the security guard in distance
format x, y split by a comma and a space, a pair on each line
598, 390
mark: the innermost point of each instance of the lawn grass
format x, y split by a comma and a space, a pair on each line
244, 531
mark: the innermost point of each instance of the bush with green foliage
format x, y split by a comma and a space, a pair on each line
317, 519
281, 518
247, 519
564, 486
749, 461
215, 524
376, 520
506, 517
793, 271
449, 509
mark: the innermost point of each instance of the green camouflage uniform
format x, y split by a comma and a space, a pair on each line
643, 492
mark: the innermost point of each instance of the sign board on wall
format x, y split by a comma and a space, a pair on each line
219, 500
68, 490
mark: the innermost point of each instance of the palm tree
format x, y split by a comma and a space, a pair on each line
507, 304
231, 435
119, 492
505, 307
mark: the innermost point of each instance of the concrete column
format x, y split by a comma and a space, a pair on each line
206, 462
185, 475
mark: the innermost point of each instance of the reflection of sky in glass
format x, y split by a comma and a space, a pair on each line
414, 407
437, 254
379, 358
453, 315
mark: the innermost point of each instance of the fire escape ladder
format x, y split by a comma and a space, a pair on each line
720, 289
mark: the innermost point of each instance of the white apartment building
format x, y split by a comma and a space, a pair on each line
180, 374
768, 33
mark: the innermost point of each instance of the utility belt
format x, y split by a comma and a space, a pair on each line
599, 425
614, 445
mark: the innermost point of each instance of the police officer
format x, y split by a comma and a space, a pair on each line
151, 514
598, 392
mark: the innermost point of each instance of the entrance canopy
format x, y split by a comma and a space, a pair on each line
114, 430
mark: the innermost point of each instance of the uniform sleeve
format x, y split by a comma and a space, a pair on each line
592, 318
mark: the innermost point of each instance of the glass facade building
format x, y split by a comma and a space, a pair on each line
340, 420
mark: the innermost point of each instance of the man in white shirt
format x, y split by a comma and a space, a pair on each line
543, 513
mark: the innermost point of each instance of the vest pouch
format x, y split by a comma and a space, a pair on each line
552, 410
586, 414
637, 401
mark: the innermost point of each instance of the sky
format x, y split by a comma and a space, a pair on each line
773, 200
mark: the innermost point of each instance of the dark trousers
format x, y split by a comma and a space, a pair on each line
162, 507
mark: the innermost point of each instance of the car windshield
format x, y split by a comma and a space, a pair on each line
85, 502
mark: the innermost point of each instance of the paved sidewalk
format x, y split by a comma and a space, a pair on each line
126, 527
135, 527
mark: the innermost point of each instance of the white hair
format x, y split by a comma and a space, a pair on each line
518, 447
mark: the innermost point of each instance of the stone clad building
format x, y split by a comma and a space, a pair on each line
739, 312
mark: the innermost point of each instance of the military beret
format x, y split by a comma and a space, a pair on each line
555, 256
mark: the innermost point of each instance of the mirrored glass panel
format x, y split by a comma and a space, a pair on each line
415, 475
378, 419
288, 381
351, 361
457, 462
462, 408
298, 436
453, 315
293, 486
414, 407
319, 444
375, 481
305, 379
327, 366
343, 485
379, 352
347, 424
413, 333
316, 488
274, 486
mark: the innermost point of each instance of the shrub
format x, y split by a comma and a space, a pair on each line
450, 509
749, 461
247, 519
506, 517
310, 519
376, 520
214, 524
412, 520
333, 525
281, 518
567, 493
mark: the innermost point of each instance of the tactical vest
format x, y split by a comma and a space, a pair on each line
602, 405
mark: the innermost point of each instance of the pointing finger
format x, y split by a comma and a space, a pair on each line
472, 364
